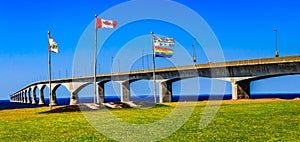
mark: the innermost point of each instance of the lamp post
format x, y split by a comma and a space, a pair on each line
194, 51
276, 54
119, 65
194, 54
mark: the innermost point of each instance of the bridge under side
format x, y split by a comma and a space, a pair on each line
125, 91
101, 92
34, 97
41, 98
53, 98
165, 91
240, 89
74, 98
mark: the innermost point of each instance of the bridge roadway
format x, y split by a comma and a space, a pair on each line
239, 73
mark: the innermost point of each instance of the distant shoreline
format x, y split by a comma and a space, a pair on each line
200, 97
6, 104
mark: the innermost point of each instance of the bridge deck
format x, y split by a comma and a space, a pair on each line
261, 61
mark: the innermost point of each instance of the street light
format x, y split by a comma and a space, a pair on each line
194, 55
194, 51
276, 55
119, 64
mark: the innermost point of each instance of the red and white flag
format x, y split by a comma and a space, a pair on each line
101, 23
53, 47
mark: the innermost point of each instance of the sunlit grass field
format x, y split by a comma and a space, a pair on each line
246, 120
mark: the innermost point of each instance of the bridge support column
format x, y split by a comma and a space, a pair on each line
101, 92
125, 91
41, 99
53, 98
240, 90
25, 97
29, 97
74, 98
20, 98
165, 91
33, 97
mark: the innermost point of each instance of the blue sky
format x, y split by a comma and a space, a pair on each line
244, 29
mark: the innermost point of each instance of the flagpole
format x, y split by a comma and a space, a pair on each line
49, 73
95, 61
153, 64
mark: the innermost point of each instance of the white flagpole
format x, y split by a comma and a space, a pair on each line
49, 72
95, 61
153, 64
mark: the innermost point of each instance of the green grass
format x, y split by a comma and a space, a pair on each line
235, 121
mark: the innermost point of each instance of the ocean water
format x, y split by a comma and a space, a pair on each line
6, 104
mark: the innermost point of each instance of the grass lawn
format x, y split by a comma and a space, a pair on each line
253, 120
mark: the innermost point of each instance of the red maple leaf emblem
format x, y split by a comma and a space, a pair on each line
106, 22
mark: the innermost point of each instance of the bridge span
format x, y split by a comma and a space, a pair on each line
239, 73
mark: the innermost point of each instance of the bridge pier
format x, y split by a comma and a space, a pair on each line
101, 92
240, 90
29, 97
74, 98
33, 97
19, 98
25, 97
165, 91
125, 91
22, 97
53, 101
41, 99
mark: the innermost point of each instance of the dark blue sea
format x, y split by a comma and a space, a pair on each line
6, 104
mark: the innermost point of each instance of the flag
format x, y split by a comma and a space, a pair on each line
163, 52
157, 39
101, 23
53, 47
163, 41
170, 40
164, 44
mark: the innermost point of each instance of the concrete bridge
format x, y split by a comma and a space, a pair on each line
239, 73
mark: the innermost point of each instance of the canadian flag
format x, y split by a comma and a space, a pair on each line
101, 23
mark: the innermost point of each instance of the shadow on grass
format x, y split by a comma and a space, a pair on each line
71, 108
87, 107
10, 105
161, 105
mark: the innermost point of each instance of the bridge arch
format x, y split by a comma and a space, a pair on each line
41, 88
29, 95
148, 83
166, 87
34, 99
59, 90
269, 76
274, 84
25, 96
81, 86
241, 85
